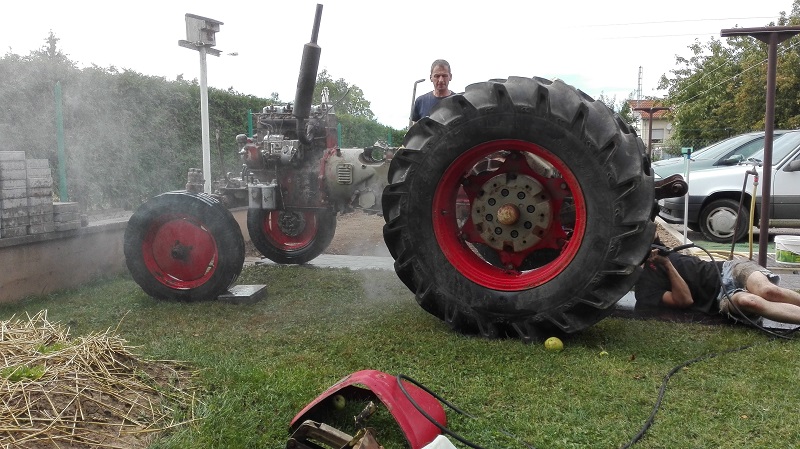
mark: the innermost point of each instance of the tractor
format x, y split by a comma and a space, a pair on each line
519, 208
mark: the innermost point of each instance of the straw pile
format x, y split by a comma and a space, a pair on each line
87, 392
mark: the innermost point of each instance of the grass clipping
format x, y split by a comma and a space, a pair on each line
86, 392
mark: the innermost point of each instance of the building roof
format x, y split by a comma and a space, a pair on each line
658, 115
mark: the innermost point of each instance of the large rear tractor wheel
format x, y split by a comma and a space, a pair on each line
291, 237
545, 238
184, 246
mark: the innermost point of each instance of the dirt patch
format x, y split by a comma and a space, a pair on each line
357, 234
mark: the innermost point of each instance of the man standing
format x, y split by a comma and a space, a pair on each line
687, 282
440, 77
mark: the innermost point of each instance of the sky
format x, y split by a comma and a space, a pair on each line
383, 47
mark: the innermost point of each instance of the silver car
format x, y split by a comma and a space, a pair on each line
724, 153
714, 195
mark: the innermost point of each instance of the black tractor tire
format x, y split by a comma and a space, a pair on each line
599, 231
291, 237
718, 218
184, 246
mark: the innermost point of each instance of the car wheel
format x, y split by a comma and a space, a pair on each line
718, 218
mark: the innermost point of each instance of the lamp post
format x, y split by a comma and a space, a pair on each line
413, 98
771, 36
200, 36
650, 111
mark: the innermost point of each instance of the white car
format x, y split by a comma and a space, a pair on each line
724, 153
714, 195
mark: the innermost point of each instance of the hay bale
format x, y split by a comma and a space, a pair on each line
86, 392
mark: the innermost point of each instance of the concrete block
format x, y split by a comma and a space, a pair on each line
41, 209
37, 163
59, 227
40, 219
13, 183
11, 165
13, 174
46, 182
66, 217
13, 212
59, 207
13, 193
12, 155
244, 294
8, 232
40, 192
38, 173
39, 200
15, 222
14, 203
42, 228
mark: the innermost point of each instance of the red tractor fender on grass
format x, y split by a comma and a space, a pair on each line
419, 431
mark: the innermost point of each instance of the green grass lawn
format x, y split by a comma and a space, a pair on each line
259, 364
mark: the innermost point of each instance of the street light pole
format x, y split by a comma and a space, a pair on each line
200, 36
413, 98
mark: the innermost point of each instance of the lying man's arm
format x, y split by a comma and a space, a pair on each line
679, 295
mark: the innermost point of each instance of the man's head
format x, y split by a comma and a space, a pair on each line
440, 77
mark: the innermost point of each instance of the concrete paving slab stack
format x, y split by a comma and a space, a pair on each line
14, 219
40, 196
66, 216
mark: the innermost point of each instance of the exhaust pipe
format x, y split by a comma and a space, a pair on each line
307, 79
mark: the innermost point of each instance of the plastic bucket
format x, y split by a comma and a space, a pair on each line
787, 250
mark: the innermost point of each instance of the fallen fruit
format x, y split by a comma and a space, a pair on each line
554, 344
339, 402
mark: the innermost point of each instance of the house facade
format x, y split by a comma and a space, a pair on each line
661, 125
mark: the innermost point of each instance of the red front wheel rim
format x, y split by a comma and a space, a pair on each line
180, 252
290, 231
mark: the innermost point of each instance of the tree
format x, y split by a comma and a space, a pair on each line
348, 98
719, 90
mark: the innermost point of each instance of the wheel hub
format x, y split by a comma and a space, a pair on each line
722, 221
512, 212
180, 251
291, 223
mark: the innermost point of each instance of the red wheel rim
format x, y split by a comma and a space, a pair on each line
453, 237
283, 241
180, 252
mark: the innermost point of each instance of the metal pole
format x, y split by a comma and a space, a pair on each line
650, 111
204, 122
62, 158
766, 185
413, 98
772, 36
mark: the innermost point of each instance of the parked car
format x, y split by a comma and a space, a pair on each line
724, 153
714, 195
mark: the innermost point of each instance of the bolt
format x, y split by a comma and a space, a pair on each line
507, 214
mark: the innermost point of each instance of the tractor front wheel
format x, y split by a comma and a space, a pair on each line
291, 236
183, 246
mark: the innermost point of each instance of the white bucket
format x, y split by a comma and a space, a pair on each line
787, 250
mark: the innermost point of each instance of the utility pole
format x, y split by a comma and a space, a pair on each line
200, 36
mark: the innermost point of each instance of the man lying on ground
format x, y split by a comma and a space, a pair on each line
687, 282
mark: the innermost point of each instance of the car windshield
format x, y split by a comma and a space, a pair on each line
719, 149
781, 147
